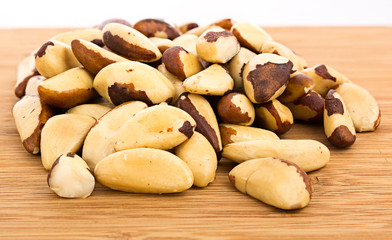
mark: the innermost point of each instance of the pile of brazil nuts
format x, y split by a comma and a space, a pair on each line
152, 108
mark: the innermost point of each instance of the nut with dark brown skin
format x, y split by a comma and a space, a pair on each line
156, 28
180, 62
26, 70
236, 67
250, 35
183, 28
299, 85
114, 20
236, 108
274, 116
225, 23
266, 76
309, 108
187, 41
89, 34
177, 83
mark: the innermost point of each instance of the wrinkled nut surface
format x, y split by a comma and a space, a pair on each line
92, 35
161, 127
30, 115
217, 45
231, 133
250, 35
361, 105
90, 109
309, 155
144, 170
266, 76
236, 108
70, 177
25, 71
33, 83
299, 85
338, 126
274, 116
162, 43
128, 81
156, 28
309, 108
274, 181
99, 141
200, 156
55, 57
177, 83
68, 89
62, 134
130, 43
181, 63
206, 123
236, 67
214, 80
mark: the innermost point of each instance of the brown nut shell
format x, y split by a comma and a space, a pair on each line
236, 108
274, 116
180, 62
156, 28
299, 85
26, 70
309, 108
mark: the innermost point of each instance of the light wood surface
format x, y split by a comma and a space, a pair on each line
352, 196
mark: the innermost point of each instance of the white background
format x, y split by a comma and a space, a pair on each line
79, 13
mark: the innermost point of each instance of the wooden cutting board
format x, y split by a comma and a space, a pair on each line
352, 196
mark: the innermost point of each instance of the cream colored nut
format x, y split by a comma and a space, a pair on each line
200, 156
95, 111
162, 43
217, 45
161, 127
55, 57
156, 28
299, 85
309, 155
92, 56
130, 43
206, 123
92, 35
30, 115
225, 23
127, 81
99, 141
236, 67
144, 170
70, 177
338, 126
26, 70
274, 116
231, 133
361, 105
324, 78
180, 62
183, 28
250, 36
274, 181
309, 108
113, 20
236, 108
214, 80
188, 42
177, 83
62, 134
270, 46
32, 85
266, 76
102, 101
68, 89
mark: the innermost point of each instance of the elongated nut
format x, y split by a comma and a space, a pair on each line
183, 28
338, 126
180, 62
231, 133
99, 141
206, 123
130, 43
324, 78
92, 35
217, 45
162, 43
113, 20
30, 115
187, 41
144, 170
274, 181
93, 110
55, 57
26, 70
70, 177
250, 36
62, 134
309, 108
177, 83
361, 105
274, 116
214, 80
270, 46
236, 67
266, 76
299, 85
127, 81
156, 28
200, 156
236, 108
68, 89
309, 155
92, 56
33, 84
161, 127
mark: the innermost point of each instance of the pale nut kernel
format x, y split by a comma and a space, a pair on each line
33, 84
92, 35
177, 83
274, 116
183, 28
181, 63
250, 35
188, 42
113, 20
162, 43
299, 85
70, 177
93, 110
309, 108
225, 23
236, 67
236, 108
144, 170
25, 70
156, 28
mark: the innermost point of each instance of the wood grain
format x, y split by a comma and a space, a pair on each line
352, 196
